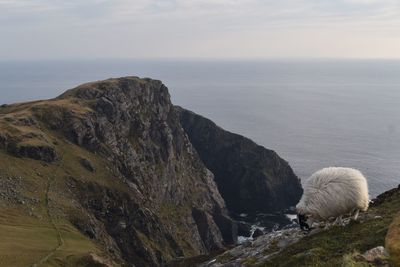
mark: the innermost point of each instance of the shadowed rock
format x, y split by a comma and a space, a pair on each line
250, 177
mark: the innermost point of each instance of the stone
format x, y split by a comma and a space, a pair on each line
44, 152
376, 253
259, 250
87, 164
257, 233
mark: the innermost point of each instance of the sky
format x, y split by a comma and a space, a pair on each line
256, 29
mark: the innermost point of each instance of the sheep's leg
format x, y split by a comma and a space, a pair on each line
341, 222
355, 216
338, 221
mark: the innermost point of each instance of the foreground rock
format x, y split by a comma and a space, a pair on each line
257, 251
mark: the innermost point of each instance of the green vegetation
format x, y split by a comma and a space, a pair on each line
339, 245
33, 222
26, 240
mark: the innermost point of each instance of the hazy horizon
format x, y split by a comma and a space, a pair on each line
210, 59
201, 29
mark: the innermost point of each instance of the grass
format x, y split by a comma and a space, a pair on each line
75, 246
25, 244
22, 245
332, 247
25, 239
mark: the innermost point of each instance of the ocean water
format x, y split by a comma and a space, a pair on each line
314, 114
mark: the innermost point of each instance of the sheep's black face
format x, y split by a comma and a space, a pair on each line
303, 222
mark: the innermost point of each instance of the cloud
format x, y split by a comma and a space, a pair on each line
198, 27
131, 10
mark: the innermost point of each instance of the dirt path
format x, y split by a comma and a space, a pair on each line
60, 239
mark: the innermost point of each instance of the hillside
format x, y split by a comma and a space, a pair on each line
348, 246
105, 175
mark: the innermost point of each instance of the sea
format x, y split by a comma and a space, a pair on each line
313, 113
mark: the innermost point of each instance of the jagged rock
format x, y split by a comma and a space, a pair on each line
250, 177
257, 233
131, 122
228, 227
207, 229
384, 196
21, 137
258, 250
35, 151
87, 164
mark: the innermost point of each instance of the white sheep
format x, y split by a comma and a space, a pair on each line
332, 192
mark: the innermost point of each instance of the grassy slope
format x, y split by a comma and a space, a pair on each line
27, 231
329, 248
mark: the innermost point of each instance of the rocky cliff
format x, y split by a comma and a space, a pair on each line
250, 177
105, 174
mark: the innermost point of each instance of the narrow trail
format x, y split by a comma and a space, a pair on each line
60, 239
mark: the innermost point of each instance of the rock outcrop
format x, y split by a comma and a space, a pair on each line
168, 206
132, 123
113, 162
250, 177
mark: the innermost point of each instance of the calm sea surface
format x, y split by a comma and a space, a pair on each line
313, 113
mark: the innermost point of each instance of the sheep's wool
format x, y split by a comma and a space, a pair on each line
334, 191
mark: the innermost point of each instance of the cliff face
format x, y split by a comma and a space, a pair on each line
134, 125
105, 174
162, 202
249, 177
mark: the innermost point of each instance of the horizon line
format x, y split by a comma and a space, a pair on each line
200, 59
